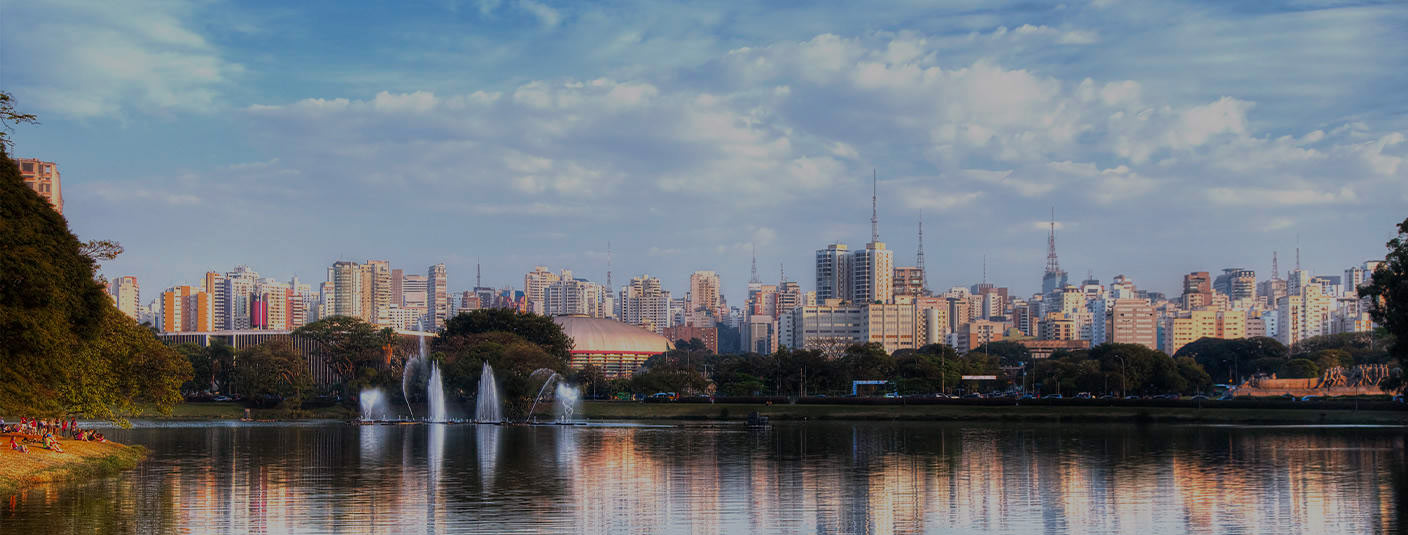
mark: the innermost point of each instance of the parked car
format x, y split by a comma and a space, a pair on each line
1085, 395
1310, 398
973, 395
1109, 396
1052, 396
1200, 397
1132, 397
1167, 396
1027, 396
221, 398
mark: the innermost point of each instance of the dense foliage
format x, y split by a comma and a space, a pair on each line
353, 349
515, 345
272, 373
1124, 369
211, 367
64, 347
1230, 361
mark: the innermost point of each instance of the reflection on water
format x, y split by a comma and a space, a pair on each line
831, 478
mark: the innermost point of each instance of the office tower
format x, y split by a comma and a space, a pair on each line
382, 288
833, 273
570, 296
437, 294
413, 292
1131, 321
213, 284
398, 287
1236, 283
43, 178
789, 295
872, 274
644, 303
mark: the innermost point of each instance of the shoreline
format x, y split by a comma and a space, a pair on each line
987, 411
80, 460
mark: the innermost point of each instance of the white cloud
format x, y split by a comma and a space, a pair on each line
105, 59
1286, 197
548, 16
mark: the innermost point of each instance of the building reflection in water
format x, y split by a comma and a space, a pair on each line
827, 477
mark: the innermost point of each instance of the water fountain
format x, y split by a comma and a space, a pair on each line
486, 404
568, 399
435, 395
551, 377
408, 372
373, 402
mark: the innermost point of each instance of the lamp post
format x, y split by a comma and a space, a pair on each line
1122, 385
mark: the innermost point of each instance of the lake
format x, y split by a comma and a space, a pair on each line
321, 477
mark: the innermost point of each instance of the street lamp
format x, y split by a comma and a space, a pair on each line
1122, 385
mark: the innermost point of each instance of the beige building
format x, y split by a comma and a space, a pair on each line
703, 295
535, 286
43, 178
1057, 327
976, 333
891, 325
872, 274
1132, 321
127, 295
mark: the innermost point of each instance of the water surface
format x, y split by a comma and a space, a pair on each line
804, 477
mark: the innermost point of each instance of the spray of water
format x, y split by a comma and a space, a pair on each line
486, 405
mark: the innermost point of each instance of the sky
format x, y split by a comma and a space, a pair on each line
1167, 136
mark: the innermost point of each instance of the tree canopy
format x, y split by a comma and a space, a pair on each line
540, 330
1387, 291
1242, 356
272, 373
64, 347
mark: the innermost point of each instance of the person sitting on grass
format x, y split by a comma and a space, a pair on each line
17, 446
51, 444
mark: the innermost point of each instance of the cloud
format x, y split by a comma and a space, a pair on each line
1283, 197
548, 16
104, 59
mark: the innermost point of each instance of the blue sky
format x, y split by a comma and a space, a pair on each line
1169, 136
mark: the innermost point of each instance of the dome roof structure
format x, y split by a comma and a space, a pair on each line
605, 336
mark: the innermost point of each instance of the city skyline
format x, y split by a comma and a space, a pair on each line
1161, 152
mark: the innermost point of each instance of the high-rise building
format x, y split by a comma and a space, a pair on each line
1197, 290
535, 283
703, 298
239, 297
413, 292
570, 296
872, 274
644, 303
213, 284
1132, 321
43, 178
398, 287
789, 296
127, 295
909, 281
1304, 315
1236, 283
437, 294
347, 289
382, 288
833, 273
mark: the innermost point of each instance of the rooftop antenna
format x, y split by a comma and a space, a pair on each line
478, 281
874, 206
1297, 251
919, 256
754, 279
985, 268
1275, 270
608, 265
781, 275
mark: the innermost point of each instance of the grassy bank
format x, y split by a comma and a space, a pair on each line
235, 411
80, 460
625, 410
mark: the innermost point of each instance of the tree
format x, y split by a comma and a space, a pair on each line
1387, 291
273, 373
1223, 359
1299, 369
64, 347
347, 344
540, 330
1011, 353
9, 118
869, 361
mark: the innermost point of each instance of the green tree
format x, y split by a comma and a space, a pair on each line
869, 361
348, 345
1387, 292
1299, 369
9, 118
1244, 356
273, 373
1011, 353
1194, 375
64, 347
540, 330
513, 359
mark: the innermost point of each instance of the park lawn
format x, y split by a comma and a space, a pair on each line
627, 410
80, 460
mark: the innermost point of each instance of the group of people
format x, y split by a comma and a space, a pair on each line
48, 432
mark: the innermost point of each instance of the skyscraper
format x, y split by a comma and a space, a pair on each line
833, 273
239, 297
347, 289
438, 294
703, 297
644, 303
535, 283
872, 274
1236, 283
